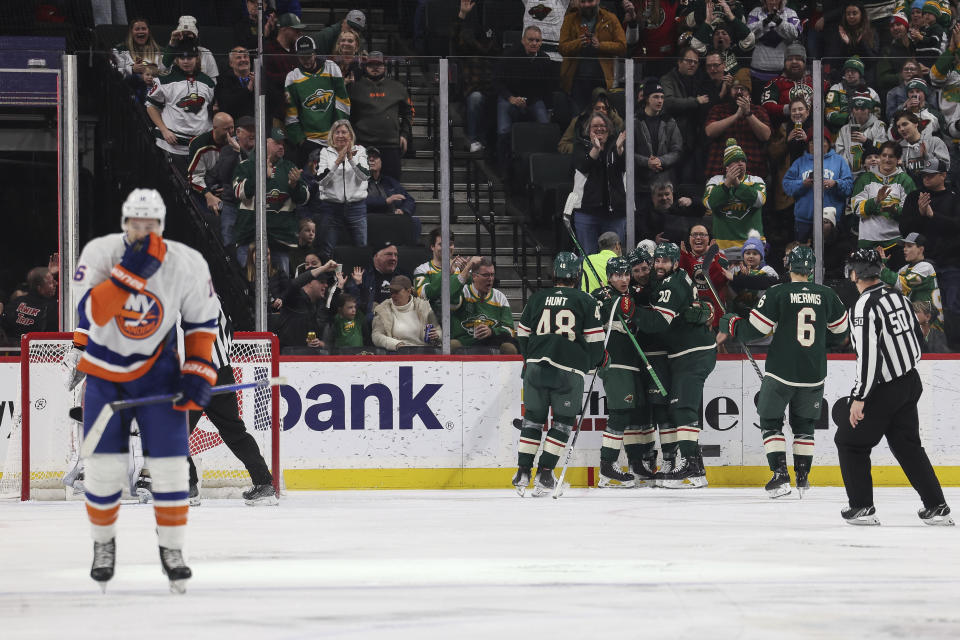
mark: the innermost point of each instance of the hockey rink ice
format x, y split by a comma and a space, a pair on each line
642, 563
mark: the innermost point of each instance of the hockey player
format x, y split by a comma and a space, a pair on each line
131, 287
691, 353
620, 376
225, 416
561, 339
805, 317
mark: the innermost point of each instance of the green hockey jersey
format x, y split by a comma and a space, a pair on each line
919, 283
314, 102
735, 211
473, 309
669, 298
562, 327
283, 222
623, 355
801, 314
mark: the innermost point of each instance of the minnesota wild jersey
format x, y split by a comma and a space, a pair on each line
918, 282
669, 298
562, 327
315, 100
651, 344
800, 314
623, 355
474, 309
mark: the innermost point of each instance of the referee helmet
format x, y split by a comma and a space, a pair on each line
866, 263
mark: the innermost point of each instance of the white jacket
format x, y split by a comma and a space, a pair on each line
344, 183
874, 130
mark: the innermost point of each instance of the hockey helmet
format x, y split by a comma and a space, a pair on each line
567, 265
802, 260
667, 250
866, 263
143, 204
639, 255
618, 265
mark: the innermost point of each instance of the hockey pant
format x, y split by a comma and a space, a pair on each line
805, 409
545, 387
624, 393
163, 434
688, 374
225, 416
639, 439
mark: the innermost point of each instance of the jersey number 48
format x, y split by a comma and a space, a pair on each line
562, 322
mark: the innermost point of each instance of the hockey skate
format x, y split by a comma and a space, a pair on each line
544, 483
104, 557
261, 494
194, 496
779, 484
700, 479
521, 480
684, 475
936, 516
175, 569
802, 470
863, 516
645, 470
665, 469
612, 476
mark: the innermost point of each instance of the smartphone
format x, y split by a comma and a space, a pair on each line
339, 268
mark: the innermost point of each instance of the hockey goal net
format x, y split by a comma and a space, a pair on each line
43, 444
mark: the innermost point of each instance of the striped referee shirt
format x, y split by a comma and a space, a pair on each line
221, 347
886, 336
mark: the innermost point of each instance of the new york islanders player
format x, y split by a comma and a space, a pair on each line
561, 339
131, 286
805, 318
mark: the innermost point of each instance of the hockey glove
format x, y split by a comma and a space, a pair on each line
196, 378
728, 324
68, 368
698, 313
140, 261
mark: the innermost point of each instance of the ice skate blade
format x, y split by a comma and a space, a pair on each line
103, 586
801, 491
864, 521
939, 521
144, 496
521, 491
687, 483
645, 484
778, 492
266, 501
178, 587
606, 483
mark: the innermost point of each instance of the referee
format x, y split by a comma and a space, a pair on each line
225, 416
887, 338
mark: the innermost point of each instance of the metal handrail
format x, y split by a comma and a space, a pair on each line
523, 238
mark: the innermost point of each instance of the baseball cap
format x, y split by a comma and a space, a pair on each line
385, 245
247, 122
934, 166
373, 151
356, 19
277, 134
305, 45
374, 56
289, 20
188, 23
915, 238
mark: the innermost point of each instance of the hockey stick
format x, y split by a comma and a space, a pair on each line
623, 323
708, 258
92, 439
568, 450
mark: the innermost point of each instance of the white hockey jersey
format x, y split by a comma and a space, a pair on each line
184, 103
127, 345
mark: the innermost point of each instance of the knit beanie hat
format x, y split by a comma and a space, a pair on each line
732, 153
900, 17
862, 100
917, 4
754, 243
919, 83
931, 7
854, 63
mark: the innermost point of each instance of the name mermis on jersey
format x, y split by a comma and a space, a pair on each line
329, 406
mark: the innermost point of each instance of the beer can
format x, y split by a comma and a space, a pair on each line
426, 333
311, 335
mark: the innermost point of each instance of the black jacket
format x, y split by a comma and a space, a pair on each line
232, 96
942, 230
526, 76
603, 192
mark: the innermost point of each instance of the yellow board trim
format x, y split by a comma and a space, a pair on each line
335, 479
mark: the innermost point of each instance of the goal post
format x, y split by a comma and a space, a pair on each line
44, 440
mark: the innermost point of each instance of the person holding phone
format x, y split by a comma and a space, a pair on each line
863, 130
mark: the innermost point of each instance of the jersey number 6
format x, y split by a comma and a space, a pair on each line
563, 323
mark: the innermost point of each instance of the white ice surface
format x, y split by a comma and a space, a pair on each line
698, 565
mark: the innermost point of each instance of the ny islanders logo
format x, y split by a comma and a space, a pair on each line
141, 316
319, 100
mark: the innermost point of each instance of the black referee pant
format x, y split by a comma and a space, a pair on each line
891, 411
224, 415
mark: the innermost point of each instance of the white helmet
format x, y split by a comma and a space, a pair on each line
143, 203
